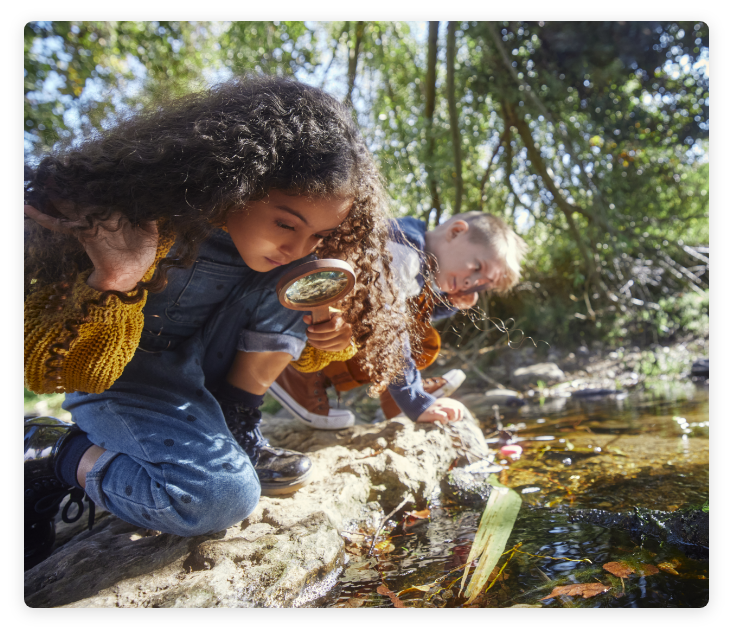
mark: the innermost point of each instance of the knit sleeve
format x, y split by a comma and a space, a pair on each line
312, 359
107, 337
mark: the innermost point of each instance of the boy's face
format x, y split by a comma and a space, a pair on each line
463, 264
280, 229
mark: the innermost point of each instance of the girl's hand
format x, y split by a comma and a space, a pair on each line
443, 410
463, 302
120, 253
334, 335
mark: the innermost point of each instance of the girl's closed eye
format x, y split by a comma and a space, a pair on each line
282, 225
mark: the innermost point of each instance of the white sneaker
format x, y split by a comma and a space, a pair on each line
335, 420
453, 379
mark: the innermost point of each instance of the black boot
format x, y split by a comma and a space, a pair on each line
280, 471
44, 491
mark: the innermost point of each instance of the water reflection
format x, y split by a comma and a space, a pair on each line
648, 450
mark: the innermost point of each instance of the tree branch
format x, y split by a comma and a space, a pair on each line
453, 111
353, 60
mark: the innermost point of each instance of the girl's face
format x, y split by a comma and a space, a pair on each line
280, 229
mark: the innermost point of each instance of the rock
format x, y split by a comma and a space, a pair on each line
471, 490
547, 372
481, 403
701, 368
288, 552
598, 393
687, 529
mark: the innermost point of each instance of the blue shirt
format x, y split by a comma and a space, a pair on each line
408, 393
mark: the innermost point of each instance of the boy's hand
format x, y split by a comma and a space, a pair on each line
120, 253
463, 302
443, 410
334, 335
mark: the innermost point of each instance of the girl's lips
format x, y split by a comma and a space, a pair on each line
274, 262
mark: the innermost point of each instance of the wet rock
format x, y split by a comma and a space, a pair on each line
481, 403
288, 552
688, 529
548, 373
471, 490
598, 393
701, 368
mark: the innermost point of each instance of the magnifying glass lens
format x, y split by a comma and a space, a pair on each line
317, 288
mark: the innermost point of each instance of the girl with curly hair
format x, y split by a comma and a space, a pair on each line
152, 255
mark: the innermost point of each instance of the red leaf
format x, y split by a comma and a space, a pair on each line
383, 590
587, 590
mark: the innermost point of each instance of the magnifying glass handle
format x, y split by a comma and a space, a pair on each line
320, 314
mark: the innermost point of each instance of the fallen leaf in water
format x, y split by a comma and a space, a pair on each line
648, 569
383, 590
425, 513
355, 602
385, 546
667, 567
618, 569
587, 590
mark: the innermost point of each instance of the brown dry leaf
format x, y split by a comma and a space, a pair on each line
495, 573
587, 590
383, 590
425, 513
667, 567
355, 602
619, 569
648, 569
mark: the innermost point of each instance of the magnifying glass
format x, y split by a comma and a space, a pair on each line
316, 285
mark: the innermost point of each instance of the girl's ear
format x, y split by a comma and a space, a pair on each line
456, 228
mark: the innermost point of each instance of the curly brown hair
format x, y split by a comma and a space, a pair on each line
191, 161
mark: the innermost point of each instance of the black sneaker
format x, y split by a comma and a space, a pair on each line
43, 439
280, 471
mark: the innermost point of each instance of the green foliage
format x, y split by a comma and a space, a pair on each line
589, 138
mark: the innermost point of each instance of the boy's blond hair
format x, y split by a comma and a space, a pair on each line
505, 244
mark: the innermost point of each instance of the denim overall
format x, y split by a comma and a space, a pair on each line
171, 463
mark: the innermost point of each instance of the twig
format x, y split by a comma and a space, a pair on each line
385, 519
480, 373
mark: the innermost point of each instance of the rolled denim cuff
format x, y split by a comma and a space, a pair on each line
254, 342
95, 476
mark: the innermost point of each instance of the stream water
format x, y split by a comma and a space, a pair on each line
646, 449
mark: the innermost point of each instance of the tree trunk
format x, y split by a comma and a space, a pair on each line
430, 81
453, 111
353, 60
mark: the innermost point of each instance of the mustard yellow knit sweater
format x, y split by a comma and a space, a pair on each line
107, 339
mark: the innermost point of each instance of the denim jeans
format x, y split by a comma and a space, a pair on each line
171, 463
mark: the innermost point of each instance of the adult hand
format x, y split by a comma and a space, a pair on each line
334, 335
120, 252
463, 302
443, 410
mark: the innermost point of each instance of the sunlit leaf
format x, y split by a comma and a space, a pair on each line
493, 532
385, 546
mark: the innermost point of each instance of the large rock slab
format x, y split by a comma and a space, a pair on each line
290, 549
548, 372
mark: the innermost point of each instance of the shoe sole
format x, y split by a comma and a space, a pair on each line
286, 401
281, 490
457, 377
